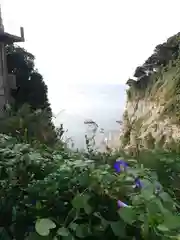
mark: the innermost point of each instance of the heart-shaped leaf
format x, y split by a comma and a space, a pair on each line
44, 225
81, 201
63, 232
127, 214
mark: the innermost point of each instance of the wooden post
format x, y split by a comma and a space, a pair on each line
7, 82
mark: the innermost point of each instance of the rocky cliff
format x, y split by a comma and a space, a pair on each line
152, 115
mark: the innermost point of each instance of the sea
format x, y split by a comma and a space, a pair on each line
102, 104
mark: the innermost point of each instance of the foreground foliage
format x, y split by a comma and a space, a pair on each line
51, 194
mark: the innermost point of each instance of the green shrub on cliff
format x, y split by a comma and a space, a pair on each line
152, 75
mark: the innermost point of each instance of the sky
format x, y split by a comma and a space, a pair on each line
89, 41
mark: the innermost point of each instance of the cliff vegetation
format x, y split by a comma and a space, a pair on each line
152, 115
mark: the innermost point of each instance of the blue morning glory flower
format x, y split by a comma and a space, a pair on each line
138, 183
120, 165
121, 204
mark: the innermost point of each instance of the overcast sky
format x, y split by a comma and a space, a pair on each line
90, 41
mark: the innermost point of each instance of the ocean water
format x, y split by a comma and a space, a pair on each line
102, 103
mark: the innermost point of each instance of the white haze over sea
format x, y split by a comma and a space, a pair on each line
103, 103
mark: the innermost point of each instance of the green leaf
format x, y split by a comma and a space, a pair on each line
147, 191
137, 199
82, 230
129, 179
154, 207
73, 226
4, 235
154, 176
100, 227
83, 179
177, 237
69, 237
35, 236
43, 226
171, 222
81, 202
87, 208
132, 161
127, 214
165, 197
162, 228
38, 205
63, 232
80, 163
145, 228
118, 229
104, 223
133, 172
147, 183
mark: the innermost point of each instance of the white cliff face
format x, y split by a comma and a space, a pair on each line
144, 120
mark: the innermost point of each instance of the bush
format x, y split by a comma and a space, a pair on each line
51, 194
30, 126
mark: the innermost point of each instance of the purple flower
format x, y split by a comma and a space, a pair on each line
121, 204
138, 183
120, 165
